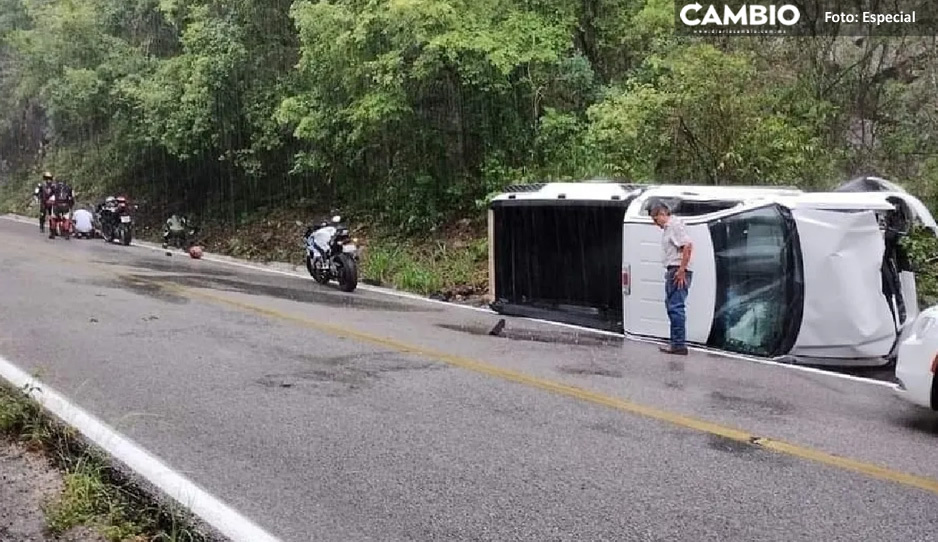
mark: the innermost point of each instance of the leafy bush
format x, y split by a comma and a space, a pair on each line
922, 247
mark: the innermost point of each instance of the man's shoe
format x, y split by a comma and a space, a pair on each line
674, 351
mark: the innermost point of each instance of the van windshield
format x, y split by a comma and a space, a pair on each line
760, 282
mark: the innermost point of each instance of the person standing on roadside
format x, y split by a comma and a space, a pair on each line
676, 252
42, 193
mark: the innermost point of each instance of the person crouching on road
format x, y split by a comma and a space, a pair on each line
84, 223
676, 247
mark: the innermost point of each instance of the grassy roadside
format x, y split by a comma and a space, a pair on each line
95, 495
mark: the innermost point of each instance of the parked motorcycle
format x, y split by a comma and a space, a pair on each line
116, 222
332, 255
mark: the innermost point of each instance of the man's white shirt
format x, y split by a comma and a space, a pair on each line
83, 221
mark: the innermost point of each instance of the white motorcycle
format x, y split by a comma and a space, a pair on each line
331, 254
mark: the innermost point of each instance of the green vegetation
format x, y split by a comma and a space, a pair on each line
408, 114
456, 270
922, 248
95, 495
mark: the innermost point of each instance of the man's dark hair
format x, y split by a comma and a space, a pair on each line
658, 208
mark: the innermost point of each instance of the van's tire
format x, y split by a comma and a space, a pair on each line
348, 273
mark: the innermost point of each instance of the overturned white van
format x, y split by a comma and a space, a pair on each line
555, 249
816, 277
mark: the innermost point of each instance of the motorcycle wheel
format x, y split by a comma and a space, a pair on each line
125, 236
348, 273
318, 275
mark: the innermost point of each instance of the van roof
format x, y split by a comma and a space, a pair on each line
604, 190
843, 201
578, 191
595, 190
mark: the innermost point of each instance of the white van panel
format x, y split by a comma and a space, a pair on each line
845, 313
643, 308
910, 296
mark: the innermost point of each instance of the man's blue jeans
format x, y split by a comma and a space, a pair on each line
674, 298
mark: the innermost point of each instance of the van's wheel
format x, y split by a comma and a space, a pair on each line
348, 273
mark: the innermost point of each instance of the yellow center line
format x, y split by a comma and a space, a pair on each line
680, 420
673, 418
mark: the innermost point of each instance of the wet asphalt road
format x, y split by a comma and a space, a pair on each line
416, 425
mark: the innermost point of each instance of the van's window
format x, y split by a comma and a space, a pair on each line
683, 207
760, 285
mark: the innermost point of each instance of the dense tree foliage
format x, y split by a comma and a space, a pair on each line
414, 110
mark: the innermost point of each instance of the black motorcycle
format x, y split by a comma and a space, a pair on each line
331, 254
117, 222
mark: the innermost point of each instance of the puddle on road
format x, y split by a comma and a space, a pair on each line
610, 429
590, 370
747, 450
343, 375
771, 406
138, 285
185, 273
728, 445
166, 265
174, 265
514, 333
308, 292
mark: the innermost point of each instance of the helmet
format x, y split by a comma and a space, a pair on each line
109, 199
47, 176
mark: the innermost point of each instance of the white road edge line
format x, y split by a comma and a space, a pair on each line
201, 503
627, 336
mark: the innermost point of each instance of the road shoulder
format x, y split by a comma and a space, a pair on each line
29, 485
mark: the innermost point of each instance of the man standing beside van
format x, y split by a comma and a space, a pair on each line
676, 251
